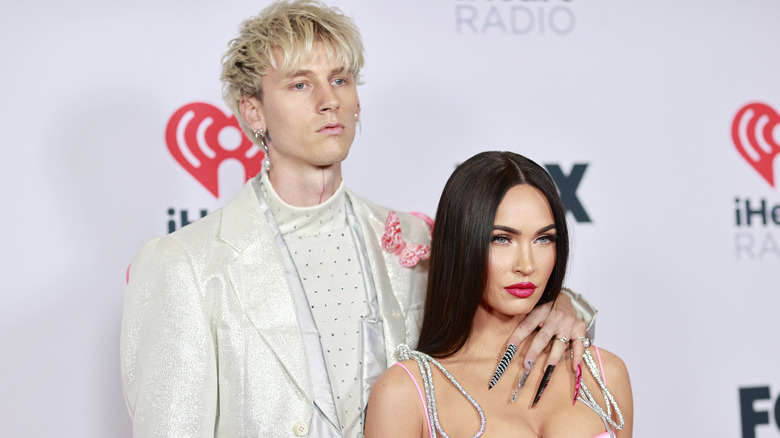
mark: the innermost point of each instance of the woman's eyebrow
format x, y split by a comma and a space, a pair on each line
545, 229
505, 228
515, 231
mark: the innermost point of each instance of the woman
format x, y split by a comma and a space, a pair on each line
500, 247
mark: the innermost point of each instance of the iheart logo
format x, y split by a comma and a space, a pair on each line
756, 134
200, 137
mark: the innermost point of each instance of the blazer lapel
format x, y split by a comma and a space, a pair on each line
259, 280
373, 227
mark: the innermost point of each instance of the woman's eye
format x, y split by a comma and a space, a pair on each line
339, 81
299, 86
501, 240
546, 239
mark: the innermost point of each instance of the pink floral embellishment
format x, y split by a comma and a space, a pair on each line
393, 242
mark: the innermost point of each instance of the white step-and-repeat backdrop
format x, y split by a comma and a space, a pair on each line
658, 119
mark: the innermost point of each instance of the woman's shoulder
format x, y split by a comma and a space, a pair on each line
613, 366
398, 379
393, 396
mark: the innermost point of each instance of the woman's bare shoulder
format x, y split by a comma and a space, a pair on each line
393, 396
396, 376
614, 367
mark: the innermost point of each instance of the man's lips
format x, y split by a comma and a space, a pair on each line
521, 290
331, 128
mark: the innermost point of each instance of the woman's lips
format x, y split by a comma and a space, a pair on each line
521, 290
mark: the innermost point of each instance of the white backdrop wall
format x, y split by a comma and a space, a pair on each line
641, 95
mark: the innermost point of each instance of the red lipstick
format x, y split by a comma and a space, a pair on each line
521, 290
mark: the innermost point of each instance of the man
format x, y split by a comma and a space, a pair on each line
273, 315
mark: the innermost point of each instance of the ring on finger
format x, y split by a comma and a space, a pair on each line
586, 342
563, 339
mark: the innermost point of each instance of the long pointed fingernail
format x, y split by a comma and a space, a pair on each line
577, 384
543, 385
529, 365
509, 354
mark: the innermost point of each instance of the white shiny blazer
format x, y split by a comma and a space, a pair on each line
210, 343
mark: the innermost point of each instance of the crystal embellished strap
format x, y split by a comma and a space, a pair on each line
424, 361
587, 398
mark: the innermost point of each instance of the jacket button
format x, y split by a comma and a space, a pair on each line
301, 429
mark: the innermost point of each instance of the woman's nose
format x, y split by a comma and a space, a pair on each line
524, 262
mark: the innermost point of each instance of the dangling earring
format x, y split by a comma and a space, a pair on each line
357, 122
260, 136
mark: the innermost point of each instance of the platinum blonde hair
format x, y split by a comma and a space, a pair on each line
294, 27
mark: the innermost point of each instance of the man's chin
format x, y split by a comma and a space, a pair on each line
331, 158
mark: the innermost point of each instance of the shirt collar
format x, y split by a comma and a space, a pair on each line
303, 221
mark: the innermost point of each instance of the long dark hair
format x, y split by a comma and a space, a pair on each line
457, 270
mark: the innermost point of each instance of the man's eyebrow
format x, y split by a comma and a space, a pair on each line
298, 73
335, 71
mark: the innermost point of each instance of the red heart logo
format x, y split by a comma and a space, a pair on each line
200, 137
756, 134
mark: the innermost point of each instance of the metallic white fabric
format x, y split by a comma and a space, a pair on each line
585, 311
324, 251
324, 422
211, 344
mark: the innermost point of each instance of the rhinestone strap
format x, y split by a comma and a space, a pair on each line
424, 362
587, 398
